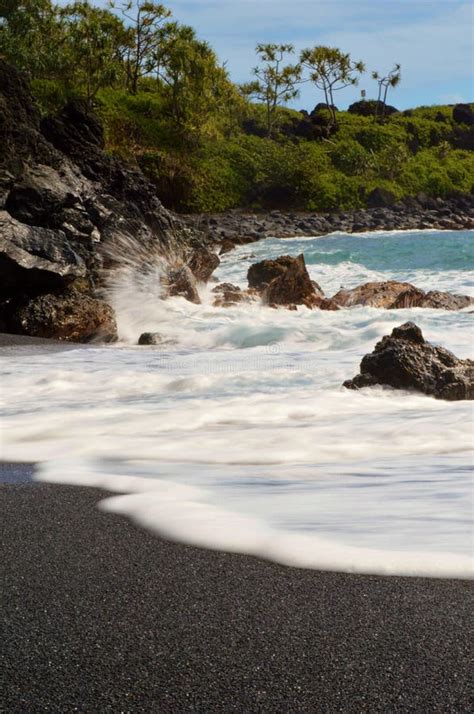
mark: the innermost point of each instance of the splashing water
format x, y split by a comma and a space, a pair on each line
240, 437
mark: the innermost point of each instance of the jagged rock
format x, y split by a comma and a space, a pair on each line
404, 360
445, 301
181, 282
70, 316
285, 281
150, 338
226, 246
434, 299
202, 263
261, 274
377, 294
35, 259
228, 294
292, 285
392, 295
67, 208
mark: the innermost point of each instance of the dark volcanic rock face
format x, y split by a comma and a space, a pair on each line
42, 256
69, 316
67, 209
404, 360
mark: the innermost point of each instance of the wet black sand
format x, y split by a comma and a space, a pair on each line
99, 616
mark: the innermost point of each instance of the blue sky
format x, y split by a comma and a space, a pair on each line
432, 40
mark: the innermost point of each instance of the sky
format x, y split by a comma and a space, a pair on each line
431, 39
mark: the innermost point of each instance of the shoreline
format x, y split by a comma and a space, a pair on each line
102, 616
239, 227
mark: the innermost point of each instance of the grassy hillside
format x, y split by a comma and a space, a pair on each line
419, 151
168, 105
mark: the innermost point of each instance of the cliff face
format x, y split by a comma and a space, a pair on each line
66, 208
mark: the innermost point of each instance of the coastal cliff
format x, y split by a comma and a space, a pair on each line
66, 208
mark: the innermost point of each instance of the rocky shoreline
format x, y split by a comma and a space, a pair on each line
71, 215
422, 212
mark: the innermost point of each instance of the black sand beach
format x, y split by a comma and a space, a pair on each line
99, 616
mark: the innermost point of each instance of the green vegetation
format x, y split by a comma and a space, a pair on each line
209, 145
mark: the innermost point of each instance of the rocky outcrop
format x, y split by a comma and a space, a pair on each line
228, 294
285, 281
70, 316
392, 295
43, 257
202, 263
180, 282
293, 286
261, 274
404, 360
67, 211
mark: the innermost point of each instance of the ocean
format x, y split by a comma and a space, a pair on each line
236, 433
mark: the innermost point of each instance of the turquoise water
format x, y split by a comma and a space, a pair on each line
238, 434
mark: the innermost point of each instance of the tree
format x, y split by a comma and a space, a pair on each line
195, 87
275, 83
31, 37
96, 41
145, 20
391, 80
331, 70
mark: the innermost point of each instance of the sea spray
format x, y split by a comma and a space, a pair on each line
240, 435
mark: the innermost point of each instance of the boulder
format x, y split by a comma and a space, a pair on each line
202, 263
70, 316
284, 281
463, 114
293, 286
393, 295
404, 360
380, 198
434, 299
261, 274
445, 301
228, 294
377, 294
180, 282
150, 338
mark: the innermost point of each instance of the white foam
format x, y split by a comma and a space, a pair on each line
240, 436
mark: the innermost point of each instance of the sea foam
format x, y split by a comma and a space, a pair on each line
237, 434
